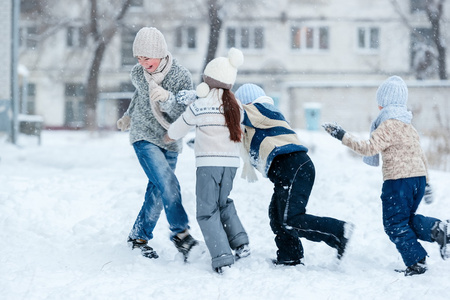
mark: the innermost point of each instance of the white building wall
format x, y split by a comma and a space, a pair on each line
353, 104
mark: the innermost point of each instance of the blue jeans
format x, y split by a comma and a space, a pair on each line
163, 190
401, 198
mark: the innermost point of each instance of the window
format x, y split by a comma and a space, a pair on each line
28, 97
310, 38
137, 3
126, 87
124, 103
245, 37
418, 6
27, 6
128, 35
75, 111
368, 38
28, 37
75, 37
186, 37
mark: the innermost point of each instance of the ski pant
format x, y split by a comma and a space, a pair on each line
163, 190
401, 198
216, 214
293, 177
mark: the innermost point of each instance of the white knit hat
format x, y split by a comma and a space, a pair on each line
221, 72
393, 91
149, 42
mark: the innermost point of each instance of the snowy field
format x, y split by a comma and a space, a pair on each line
66, 208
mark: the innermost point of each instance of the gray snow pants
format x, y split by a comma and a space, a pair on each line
216, 214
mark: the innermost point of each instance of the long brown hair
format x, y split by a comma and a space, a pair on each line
232, 113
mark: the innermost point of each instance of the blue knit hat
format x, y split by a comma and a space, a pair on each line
249, 92
393, 91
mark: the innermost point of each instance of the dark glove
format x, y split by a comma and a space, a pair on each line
334, 130
428, 196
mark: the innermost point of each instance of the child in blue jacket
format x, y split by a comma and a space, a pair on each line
275, 150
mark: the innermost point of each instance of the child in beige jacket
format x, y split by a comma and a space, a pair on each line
405, 175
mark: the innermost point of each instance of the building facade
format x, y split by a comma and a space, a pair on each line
328, 53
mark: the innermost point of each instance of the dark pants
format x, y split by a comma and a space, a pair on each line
293, 177
400, 199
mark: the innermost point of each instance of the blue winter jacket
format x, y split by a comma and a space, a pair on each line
267, 134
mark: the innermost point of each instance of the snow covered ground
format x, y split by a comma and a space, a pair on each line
66, 208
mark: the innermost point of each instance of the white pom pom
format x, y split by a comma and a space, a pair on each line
202, 90
236, 57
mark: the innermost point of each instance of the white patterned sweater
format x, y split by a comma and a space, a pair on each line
213, 146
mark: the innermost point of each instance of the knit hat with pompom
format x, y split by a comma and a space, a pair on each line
221, 72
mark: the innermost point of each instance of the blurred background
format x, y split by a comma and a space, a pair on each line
66, 64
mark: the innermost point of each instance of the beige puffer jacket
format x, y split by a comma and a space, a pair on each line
399, 145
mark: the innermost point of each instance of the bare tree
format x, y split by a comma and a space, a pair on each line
426, 56
216, 11
215, 25
434, 9
102, 35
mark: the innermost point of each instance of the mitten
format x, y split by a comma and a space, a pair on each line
159, 94
428, 196
248, 172
186, 97
334, 130
124, 123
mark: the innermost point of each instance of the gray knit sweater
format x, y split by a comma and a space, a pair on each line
144, 125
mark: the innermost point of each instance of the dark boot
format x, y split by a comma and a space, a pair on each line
348, 231
220, 270
242, 251
277, 262
184, 242
146, 250
418, 268
440, 235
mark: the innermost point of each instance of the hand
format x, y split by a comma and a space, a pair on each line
186, 97
159, 94
124, 123
428, 196
334, 130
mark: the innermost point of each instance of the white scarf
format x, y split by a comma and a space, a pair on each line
155, 79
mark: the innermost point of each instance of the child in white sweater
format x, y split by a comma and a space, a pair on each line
217, 117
